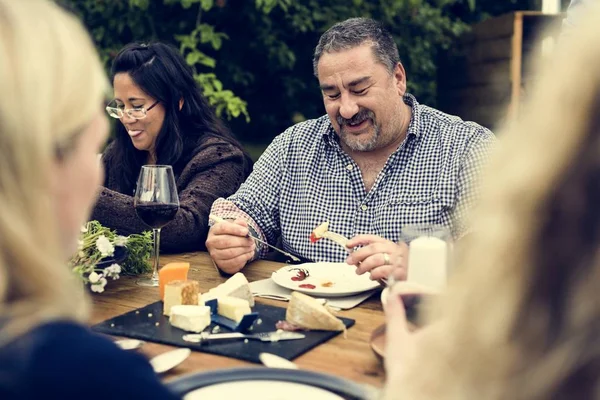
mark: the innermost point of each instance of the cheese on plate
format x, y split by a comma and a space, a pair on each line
233, 308
190, 318
308, 313
177, 271
236, 286
180, 293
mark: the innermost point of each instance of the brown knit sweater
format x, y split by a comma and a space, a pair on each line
216, 170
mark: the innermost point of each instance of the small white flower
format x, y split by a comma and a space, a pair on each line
80, 245
99, 287
84, 229
81, 254
121, 240
116, 268
94, 277
113, 271
105, 246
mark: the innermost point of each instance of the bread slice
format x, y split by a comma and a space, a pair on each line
306, 312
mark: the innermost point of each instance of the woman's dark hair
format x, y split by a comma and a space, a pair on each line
161, 72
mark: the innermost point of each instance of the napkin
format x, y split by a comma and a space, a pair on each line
270, 290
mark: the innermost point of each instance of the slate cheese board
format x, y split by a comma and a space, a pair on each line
149, 324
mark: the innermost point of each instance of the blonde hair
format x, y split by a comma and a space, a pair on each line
52, 84
521, 319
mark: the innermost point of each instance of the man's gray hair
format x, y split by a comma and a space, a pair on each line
354, 32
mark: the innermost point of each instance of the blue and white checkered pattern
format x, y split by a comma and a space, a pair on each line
304, 178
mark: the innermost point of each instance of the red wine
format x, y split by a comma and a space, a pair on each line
156, 215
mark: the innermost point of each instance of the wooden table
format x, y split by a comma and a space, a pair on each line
350, 357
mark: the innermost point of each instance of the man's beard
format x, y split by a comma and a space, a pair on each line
351, 140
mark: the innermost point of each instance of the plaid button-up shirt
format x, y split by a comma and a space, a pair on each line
305, 178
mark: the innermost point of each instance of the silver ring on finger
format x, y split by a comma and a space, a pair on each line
386, 259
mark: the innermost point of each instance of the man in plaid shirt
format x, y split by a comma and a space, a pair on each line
377, 162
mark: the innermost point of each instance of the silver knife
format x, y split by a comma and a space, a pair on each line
274, 336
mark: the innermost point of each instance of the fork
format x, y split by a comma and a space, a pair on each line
337, 238
285, 253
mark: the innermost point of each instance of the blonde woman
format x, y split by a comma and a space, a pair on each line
52, 125
521, 319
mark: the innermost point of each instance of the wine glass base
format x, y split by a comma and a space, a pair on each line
148, 282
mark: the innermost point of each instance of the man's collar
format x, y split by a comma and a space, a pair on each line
414, 127
327, 132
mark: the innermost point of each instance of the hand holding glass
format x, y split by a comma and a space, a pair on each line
429, 256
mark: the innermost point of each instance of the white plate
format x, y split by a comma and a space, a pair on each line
274, 361
261, 390
343, 276
166, 361
129, 344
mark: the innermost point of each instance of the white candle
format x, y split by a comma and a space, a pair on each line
551, 6
428, 262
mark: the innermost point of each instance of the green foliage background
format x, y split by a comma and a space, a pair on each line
253, 58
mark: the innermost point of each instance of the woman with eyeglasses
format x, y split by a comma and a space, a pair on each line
164, 119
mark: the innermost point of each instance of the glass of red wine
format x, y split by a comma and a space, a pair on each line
156, 203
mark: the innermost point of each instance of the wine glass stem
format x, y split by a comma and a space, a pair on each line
156, 253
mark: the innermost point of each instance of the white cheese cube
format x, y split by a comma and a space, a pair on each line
233, 308
190, 318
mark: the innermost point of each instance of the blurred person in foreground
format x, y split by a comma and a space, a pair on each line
52, 125
577, 9
521, 316
375, 163
164, 119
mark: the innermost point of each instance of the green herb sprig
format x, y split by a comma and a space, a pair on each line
99, 242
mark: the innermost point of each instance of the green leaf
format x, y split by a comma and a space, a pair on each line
206, 4
207, 61
142, 4
193, 57
187, 3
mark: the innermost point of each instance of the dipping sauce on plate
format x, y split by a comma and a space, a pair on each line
307, 286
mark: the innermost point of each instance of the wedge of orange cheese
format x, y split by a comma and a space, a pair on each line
176, 271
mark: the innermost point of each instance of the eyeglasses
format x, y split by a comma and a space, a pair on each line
135, 113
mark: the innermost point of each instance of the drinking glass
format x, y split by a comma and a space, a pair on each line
156, 203
429, 255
